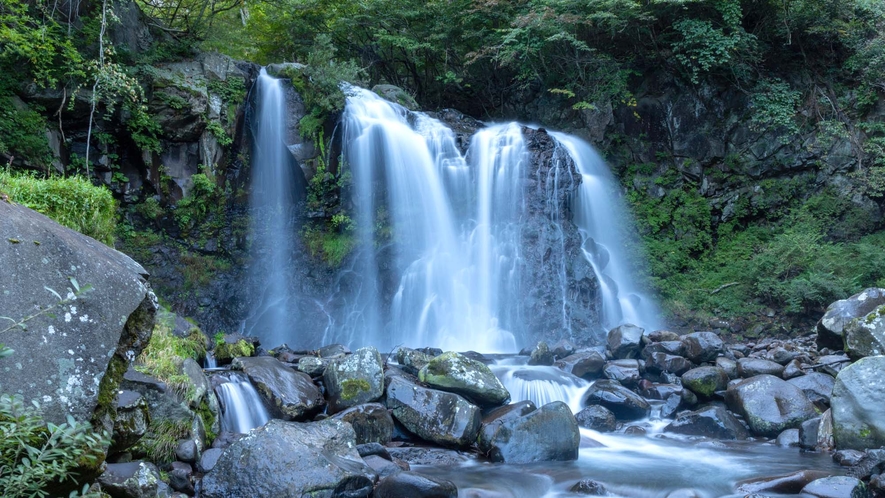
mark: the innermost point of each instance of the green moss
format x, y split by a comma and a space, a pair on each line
106, 410
161, 439
166, 352
208, 420
351, 388
229, 351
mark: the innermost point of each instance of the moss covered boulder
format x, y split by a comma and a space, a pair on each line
858, 405
704, 381
472, 379
865, 336
769, 405
355, 379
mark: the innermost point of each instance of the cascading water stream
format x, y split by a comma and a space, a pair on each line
273, 204
454, 221
604, 223
241, 406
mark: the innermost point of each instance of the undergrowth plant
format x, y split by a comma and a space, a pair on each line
166, 352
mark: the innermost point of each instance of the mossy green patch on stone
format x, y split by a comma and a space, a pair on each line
351, 388
227, 351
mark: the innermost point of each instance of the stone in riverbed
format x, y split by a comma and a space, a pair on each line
627, 372
712, 421
701, 347
840, 313
437, 416
587, 365
817, 386
412, 361
865, 336
624, 403
837, 487
472, 379
597, 418
858, 405
588, 487
782, 484
355, 379
371, 422
625, 341
751, 367
769, 404
704, 381
549, 433
291, 393
131, 480
292, 459
541, 355
412, 485
667, 363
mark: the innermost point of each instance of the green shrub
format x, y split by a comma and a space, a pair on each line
161, 438
228, 351
166, 352
71, 201
35, 455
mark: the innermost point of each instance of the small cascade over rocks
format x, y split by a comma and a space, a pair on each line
241, 406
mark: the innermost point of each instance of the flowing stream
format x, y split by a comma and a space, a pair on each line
241, 406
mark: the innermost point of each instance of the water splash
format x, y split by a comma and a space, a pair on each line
241, 406
604, 223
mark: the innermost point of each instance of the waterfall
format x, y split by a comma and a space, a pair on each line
272, 203
241, 406
604, 224
454, 223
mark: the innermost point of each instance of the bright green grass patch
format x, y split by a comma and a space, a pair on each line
166, 352
72, 201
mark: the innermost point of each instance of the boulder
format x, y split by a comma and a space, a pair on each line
667, 363
841, 313
371, 422
865, 336
411, 485
788, 438
292, 459
588, 487
355, 379
808, 433
412, 361
651, 390
712, 421
704, 381
702, 346
625, 341
832, 363
541, 355
549, 433
597, 418
624, 403
396, 95
209, 459
769, 404
291, 393
792, 370
492, 420
627, 372
837, 487
751, 367
817, 386
92, 313
587, 365
781, 484
131, 480
133, 418
858, 404
311, 365
437, 416
729, 365
472, 379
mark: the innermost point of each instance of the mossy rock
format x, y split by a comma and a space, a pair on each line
396, 95
459, 374
227, 351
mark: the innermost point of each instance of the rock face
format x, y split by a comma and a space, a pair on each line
292, 459
865, 336
441, 417
841, 313
549, 433
63, 357
858, 405
355, 379
292, 393
769, 404
470, 378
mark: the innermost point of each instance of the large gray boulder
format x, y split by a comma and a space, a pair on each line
437, 416
817, 386
549, 433
841, 313
624, 403
858, 405
472, 379
769, 404
72, 335
701, 347
704, 381
865, 336
292, 459
712, 421
131, 480
837, 487
355, 379
292, 394
371, 422
625, 341
412, 485
751, 367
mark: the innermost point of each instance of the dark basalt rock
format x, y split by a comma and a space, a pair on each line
438, 416
549, 433
751, 367
541, 355
817, 386
293, 394
412, 485
355, 379
704, 381
412, 360
597, 418
587, 365
701, 347
588, 487
625, 341
627, 372
782, 484
769, 404
667, 363
371, 422
624, 403
713, 421
131, 480
865, 336
292, 459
